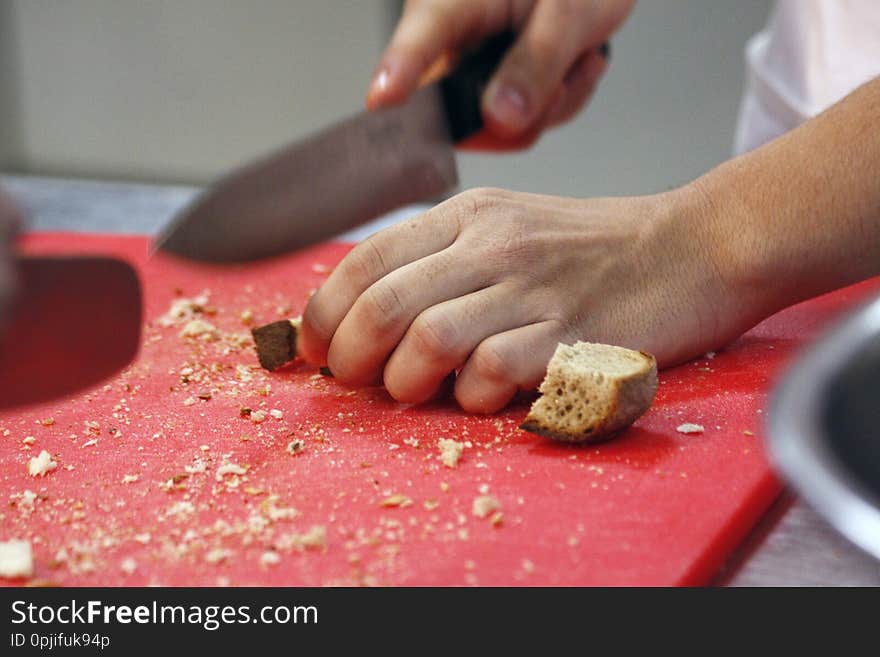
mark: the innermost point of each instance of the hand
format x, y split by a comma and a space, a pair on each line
10, 221
490, 281
545, 78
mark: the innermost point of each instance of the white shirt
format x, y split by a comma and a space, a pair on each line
811, 54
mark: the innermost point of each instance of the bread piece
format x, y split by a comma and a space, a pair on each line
276, 342
591, 392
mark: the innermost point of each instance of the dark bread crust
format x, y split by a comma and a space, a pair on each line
276, 343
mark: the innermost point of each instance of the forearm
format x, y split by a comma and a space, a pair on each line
800, 216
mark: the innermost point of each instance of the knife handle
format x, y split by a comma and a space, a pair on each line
463, 89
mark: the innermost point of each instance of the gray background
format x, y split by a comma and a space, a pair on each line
181, 91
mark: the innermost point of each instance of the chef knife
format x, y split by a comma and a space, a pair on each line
76, 321
346, 175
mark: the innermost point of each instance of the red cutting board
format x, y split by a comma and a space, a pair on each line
141, 496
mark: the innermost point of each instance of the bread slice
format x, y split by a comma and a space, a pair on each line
276, 342
591, 392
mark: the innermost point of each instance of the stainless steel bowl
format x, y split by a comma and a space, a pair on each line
824, 427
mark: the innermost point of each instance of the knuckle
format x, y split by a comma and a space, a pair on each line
382, 306
435, 335
365, 263
491, 363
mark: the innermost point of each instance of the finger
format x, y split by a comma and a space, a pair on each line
506, 363
578, 86
534, 68
381, 316
442, 337
425, 32
367, 263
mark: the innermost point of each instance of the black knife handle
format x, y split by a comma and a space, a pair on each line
463, 89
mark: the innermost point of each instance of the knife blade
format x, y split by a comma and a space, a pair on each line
76, 321
341, 177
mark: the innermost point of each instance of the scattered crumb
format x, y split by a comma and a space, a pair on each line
246, 317
450, 451
218, 555
397, 500
257, 416
47, 422
29, 440
748, 433
130, 479
184, 309
316, 537
295, 446
277, 414
143, 538
128, 566
689, 427
229, 468
485, 505
199, 328
41, 464
496, 519
16, 559
270, 558
190, 401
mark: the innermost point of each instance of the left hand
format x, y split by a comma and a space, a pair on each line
490, 281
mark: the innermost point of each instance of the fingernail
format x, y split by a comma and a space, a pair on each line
380, 81
508, 106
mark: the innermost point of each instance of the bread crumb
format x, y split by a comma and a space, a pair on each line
218, 555
47, 422
183, 309
190, 401
130, 479
16, 559
431, 504
689, 427
143, 538
450, 451
315, 538
397, 500
295, 446
257, 416
485, 505
41, 464
277, 414
246, 317
199, 328
270, 558
25, 501
128, 566
496, 519
29, 440
748, 433
229, 468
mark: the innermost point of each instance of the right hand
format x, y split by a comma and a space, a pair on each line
10, 222
549, 73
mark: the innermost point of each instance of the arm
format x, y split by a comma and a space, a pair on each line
490, 281
800, 216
